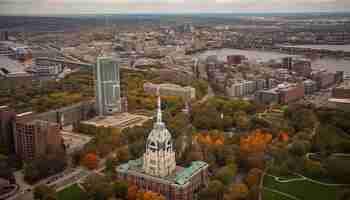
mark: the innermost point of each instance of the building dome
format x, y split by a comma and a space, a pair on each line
159, 138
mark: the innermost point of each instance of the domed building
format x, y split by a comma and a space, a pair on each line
157, 171
159, 158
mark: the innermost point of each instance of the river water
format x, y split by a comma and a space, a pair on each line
345, 47
331, 64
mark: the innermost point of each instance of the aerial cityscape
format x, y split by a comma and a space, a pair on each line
174, 100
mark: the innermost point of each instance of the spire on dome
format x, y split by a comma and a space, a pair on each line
159, 108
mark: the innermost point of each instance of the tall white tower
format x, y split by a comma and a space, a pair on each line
107, 86
159, 158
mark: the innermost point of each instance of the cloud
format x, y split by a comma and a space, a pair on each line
163, 6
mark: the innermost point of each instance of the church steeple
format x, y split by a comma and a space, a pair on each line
159, 158
159, 108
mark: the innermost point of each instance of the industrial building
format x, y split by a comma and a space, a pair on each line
107, 81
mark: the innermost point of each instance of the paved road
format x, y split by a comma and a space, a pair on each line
70, 175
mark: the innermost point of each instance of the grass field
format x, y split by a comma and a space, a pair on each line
71, 193
268, 195
303, 190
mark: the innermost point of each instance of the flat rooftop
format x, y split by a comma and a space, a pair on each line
9, 67
344, 85
334, 100
74, 141
120, 120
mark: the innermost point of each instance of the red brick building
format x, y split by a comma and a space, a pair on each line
302, 68
291, 93
33, 138
235, 59
7, 125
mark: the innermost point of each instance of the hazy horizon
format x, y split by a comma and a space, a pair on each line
80, 7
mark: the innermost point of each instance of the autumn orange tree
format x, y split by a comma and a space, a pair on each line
255, 142
253, 177
237, 192
149, 195
90, 161
132, 192
252, 148
213, 137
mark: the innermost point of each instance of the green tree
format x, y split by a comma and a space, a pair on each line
214, 191
237, 192
253, 193
299, 148
121, 189
99, 187
344, 194
226, 174
43, 192
242, 120
338, 168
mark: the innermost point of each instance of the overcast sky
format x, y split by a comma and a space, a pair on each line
40, 7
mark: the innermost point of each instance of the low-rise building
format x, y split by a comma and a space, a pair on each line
302, 68
168, 89
235, 59
291, 92
342, 104
323, 79
12, 69
282, 94
269, 96
310, 87
342, 91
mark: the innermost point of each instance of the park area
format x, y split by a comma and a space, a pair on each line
72, 192
301, 188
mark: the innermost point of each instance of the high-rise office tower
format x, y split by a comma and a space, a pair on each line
107, 86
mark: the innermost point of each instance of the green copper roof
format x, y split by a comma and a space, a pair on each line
181, 177
184, 175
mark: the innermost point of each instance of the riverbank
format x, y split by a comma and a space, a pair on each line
253, 55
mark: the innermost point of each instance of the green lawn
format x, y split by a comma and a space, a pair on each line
268, 195
304, 190
71, 193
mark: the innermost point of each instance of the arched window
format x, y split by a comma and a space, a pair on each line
168, 146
